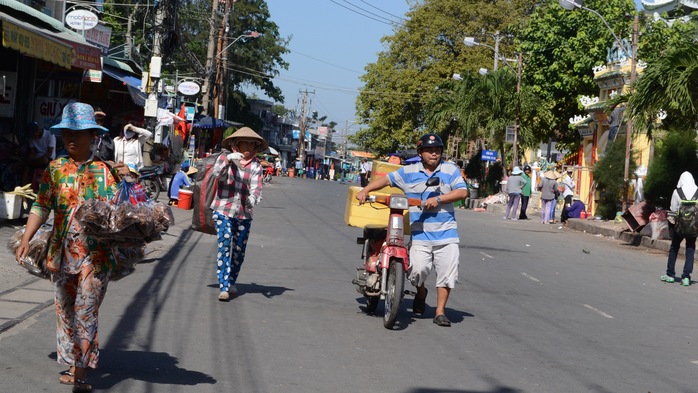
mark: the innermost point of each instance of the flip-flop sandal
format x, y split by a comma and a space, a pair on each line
67, 378
419, 304
441, 320
81, 386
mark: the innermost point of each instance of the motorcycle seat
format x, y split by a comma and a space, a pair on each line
148, 169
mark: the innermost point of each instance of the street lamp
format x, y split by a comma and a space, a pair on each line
222, 75
252, 34
471, 42
570, 5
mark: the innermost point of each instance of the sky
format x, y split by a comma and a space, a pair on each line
331, 43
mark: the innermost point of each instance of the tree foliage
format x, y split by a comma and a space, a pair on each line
675, 154
422, 54
561, 48
251, 61
608, 174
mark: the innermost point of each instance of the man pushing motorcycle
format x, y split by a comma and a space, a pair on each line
434, 230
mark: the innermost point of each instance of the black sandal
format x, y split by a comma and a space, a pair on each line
81, 386
441, 320
419, 304
67, 381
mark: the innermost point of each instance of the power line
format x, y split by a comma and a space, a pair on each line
366, 16
384, 11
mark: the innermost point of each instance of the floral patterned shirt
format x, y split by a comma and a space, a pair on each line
64, 186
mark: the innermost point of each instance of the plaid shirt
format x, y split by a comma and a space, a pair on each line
242, 187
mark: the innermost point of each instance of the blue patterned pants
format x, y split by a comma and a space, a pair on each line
232, 241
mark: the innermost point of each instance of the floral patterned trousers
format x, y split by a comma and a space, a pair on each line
78, 297
232, 242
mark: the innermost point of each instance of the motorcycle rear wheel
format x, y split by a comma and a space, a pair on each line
395, 287
152, 188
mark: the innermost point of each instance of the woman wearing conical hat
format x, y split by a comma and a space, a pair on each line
239, 190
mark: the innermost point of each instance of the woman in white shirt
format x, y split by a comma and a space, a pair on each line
128, 148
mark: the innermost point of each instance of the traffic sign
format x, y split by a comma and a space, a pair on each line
489, 155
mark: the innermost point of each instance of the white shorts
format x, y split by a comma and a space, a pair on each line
444, 258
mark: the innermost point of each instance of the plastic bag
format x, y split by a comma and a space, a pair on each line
35, 261
660, 225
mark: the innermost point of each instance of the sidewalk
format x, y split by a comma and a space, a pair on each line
23, 295
605, 228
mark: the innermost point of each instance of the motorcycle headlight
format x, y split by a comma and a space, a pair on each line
398, 202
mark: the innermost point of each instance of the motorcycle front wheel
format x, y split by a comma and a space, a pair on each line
395, 287
152, 188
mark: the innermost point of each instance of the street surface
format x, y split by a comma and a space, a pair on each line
537, 309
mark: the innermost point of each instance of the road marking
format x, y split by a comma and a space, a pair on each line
695, 362
487, 255
530, 277
603, 314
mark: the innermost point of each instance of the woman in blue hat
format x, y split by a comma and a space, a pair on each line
80, 265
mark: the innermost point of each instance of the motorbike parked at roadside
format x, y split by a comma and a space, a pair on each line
152, 180
386, 256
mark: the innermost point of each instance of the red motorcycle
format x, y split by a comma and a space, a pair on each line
386, 257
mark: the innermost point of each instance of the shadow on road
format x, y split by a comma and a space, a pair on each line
267, 291
152, 367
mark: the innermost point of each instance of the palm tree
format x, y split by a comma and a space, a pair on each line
669, 84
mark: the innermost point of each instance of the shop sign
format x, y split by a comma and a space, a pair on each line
48, 110
100, 37
189, 88
94, 76
81, 20
35, 45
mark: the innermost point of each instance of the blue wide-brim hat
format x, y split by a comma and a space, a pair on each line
78, 117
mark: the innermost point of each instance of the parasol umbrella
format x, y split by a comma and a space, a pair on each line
209, 122
272, 151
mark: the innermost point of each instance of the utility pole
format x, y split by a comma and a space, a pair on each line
205, 101
302, 125
219, 84
629, 128
519, 60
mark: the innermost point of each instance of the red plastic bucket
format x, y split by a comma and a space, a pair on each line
185, 197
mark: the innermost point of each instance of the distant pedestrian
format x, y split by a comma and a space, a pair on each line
364, 168
548, 190
568, 186
525, 192
128, 148
515, 184
688, 187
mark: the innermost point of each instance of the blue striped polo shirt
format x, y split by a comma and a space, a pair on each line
434, 226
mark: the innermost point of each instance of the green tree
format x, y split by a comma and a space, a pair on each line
561, 48
608, 174
421, 54
675, 154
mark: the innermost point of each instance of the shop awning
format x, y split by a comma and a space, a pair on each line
29, 41
123, 76
38, 35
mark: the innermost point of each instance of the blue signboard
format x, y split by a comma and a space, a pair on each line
297, 135
489, 155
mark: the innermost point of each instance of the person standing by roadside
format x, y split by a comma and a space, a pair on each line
525, 192
688, 187
548, 190
128, 148
239, 190
567, 193
364, 172
80, 266
434, 230
103, 145
515, 184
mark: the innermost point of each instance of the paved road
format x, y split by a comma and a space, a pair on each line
537, 309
